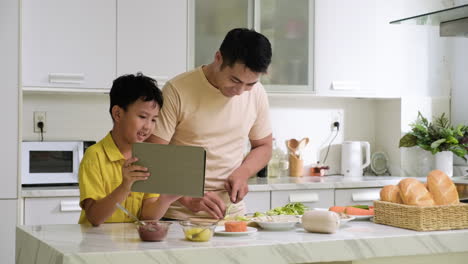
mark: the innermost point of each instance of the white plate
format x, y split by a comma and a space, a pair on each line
276, 225
361, 217
219, 230
345, 220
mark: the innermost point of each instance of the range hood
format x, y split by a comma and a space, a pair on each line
453, 21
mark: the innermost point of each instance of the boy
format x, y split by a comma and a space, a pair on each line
107, 171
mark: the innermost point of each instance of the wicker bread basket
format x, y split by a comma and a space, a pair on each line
421, 218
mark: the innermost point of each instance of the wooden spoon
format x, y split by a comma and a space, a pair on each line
292, 145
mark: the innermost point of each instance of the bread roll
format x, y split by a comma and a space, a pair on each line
413, 192
442, 188
390, 193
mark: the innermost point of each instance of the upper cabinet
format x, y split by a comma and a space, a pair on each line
68, 44
289, 27
84, 45
345, 47
152, 38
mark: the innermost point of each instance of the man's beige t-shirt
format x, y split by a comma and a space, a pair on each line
195, 113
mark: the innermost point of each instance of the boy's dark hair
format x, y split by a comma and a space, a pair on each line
127, 89
248, 47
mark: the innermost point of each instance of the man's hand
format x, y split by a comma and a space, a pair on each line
210, 203
132, 173
236, 185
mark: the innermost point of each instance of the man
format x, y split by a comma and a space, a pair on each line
219, 107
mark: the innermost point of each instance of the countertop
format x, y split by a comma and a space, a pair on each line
119, 243
265, 184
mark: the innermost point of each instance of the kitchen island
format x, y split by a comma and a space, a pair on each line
355, 242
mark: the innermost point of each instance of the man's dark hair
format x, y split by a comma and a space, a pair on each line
248, 47
127, 89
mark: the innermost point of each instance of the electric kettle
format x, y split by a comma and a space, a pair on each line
352, 164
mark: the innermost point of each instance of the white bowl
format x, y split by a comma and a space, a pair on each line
277, 222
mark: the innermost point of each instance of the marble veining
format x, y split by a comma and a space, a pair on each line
119, 243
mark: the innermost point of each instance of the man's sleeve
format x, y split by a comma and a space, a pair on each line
262, 126
168, 116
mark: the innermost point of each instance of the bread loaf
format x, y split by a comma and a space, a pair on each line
442, 188
413, 192
390, 193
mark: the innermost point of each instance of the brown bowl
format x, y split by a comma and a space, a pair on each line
153, 230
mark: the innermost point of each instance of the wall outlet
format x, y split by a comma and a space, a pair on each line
39, 117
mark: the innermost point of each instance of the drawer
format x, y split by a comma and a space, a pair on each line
365, 196
311, 198
56, 210
257, 201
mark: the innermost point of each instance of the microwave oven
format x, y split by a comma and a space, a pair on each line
52, 163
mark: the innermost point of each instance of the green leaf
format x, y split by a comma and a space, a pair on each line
361, 206
408, 141
437, 143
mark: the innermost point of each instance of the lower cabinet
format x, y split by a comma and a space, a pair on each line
51, 210
257, 201
321, 198
364, 196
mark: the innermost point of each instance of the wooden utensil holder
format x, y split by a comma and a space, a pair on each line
296, 166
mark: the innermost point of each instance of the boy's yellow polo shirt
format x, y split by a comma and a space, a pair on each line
101, 173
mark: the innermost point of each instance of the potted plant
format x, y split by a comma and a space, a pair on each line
440, 138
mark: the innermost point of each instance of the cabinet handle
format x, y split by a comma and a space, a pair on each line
70, 206
76, 78
303, 197
346, 86
365, 196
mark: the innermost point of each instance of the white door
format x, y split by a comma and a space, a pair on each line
9, 21
8, 231
68, 44
152, 38
345, 47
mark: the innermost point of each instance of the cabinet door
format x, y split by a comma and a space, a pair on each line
212, 20
152, 38
257, 201
68, 44
310, 198
364, 196
288, 25
57, 210
9, 27
7, 229
345, 47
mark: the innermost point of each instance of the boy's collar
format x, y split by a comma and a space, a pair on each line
112, 151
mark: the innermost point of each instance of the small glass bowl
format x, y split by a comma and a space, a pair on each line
198, 231
153, 230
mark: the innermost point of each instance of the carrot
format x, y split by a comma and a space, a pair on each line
235, 226
358, 211
337, 209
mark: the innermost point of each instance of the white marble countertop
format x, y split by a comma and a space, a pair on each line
119, 243
264, 184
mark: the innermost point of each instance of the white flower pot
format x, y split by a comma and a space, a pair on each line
444, 162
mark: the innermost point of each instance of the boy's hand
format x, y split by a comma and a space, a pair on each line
132, 173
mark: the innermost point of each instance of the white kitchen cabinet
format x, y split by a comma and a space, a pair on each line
9, 36
320, 198
289, 27
8, 230
152, 38
363, 196
345, 47
68, 44
51, 210
257, 201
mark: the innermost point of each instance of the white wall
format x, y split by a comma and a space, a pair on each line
68, 116
388, 132
299, 117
